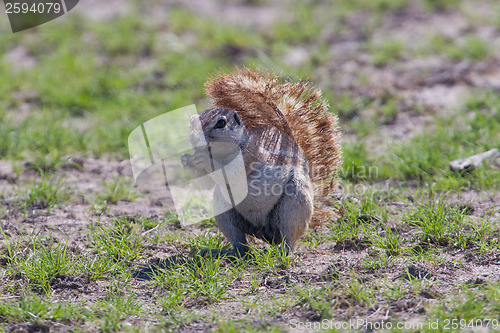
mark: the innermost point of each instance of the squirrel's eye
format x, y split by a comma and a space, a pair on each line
221, 123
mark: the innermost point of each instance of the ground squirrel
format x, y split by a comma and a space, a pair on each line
291, 152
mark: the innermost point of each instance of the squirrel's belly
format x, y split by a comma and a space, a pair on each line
263, 196
255, 209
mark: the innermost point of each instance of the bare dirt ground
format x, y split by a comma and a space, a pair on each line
321, 266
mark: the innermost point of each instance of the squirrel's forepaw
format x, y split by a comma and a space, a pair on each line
185, 160
198, 160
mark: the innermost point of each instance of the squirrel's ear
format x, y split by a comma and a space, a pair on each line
237, 118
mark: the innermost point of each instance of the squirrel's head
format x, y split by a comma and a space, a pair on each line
222, 130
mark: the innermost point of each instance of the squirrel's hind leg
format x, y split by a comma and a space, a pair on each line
291, 215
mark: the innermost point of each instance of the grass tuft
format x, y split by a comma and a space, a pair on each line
44, 193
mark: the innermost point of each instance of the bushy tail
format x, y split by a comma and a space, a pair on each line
297, 109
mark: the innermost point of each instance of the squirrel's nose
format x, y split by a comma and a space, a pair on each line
196, 136
197, 140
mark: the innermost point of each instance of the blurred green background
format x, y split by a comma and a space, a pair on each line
413, 81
